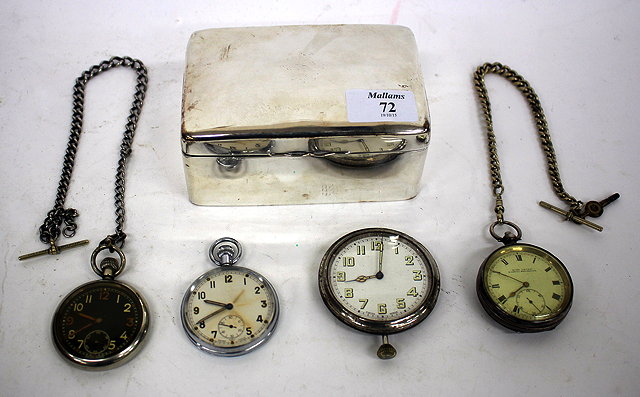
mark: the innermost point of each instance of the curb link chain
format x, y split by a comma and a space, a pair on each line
51, 228
541, 124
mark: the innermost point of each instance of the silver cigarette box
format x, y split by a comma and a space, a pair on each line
303, 114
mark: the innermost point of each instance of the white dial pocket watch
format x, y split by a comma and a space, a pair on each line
230, 310
379, 281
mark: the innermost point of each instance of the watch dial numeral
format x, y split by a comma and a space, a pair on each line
412, 292
556, 297
104, 295
502, 299
376, 246
341, 277
348, 292
348, 261
408, 260
504, 261
202, 295
495, 285
417, 275
88, 298
77, 307
196, 310
519, 257
263, 303
556, 282
127, 308
361, 250
382, 308
228, 278
257, 290
400, 303
364, 303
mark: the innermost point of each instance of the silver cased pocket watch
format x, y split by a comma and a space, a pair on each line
230, 310
379, 281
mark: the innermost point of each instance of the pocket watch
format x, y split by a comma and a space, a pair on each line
379, 281
101, 324
359, 152
524, 287
230, 310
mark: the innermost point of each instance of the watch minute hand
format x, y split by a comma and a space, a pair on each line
506, 275
211, 315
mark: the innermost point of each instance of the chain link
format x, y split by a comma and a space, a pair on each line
541, 124
51, 228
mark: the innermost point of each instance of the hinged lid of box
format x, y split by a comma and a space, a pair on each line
284, 82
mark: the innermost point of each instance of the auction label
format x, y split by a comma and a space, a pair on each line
364, 106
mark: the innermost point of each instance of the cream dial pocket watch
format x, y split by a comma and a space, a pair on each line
379, 281
230, 310
521, 286
524, 287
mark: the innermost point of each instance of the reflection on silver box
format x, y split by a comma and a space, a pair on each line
303, 114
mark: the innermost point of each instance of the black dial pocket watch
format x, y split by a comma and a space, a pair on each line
102, 323
379, 281
521, 286
230, 310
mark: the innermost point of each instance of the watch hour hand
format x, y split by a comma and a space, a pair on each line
362, 279
88, 317
524, 285
227, 306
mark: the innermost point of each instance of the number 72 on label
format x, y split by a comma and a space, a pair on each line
390, 105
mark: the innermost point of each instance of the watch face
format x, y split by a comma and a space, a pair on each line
100, 324
525, 288
240, 146
229, 311
379, 281
359, 152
